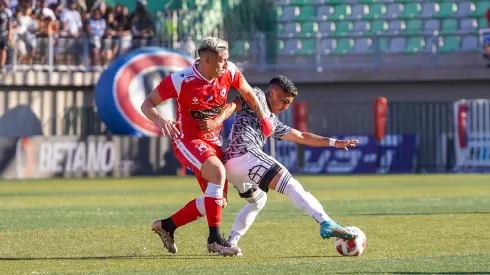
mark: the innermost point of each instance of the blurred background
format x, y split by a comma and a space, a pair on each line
409, 79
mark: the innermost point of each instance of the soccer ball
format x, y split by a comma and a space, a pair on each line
353, 247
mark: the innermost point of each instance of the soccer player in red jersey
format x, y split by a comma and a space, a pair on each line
200, 92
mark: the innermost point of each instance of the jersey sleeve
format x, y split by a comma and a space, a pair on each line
166, 88
260, 96
237, 77
280, 129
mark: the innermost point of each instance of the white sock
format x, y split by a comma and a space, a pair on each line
200, 205
214, 191
247, 215
301, 199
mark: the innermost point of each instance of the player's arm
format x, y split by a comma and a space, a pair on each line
209, 125
248, 94
313, 140
169, 128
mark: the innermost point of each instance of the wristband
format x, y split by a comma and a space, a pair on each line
267, 127
332, 142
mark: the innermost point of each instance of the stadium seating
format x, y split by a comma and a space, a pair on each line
398, 26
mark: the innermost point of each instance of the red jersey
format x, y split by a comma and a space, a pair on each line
199, 98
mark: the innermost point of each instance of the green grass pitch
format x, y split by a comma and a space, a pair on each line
415, 224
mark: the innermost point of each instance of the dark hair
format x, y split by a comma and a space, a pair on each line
285, 83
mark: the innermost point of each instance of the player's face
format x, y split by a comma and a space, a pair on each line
280, 100
219, 63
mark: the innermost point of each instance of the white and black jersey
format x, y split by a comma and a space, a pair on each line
246, 133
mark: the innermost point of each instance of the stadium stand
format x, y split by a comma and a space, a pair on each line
402, 26
297, 31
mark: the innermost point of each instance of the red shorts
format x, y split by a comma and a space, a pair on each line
193, 153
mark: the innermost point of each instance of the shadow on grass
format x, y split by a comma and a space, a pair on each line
308, 256
91, 258
413, 213
415, 273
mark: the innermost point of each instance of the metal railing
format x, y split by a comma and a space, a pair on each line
261, 51
74, 54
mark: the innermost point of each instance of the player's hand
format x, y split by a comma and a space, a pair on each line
169, 127
267, 127
225, 200
346, 143
208, 125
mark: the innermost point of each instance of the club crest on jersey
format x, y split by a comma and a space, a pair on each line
202, 148
189, 78
122, 87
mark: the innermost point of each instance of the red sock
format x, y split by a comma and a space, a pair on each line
186, 214
213, 210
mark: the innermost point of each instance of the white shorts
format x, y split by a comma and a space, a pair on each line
253, 170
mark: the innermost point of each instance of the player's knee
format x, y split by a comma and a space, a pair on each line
258, 199
220, 175
214, 171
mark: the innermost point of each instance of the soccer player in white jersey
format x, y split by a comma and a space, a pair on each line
252, 172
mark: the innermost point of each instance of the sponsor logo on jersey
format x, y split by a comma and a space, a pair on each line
206, 114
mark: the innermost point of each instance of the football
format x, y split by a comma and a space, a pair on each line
353, 247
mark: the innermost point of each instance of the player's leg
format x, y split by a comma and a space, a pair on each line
192, 211
247, 173
256, 200
285, 184
214, 171
207, 159
266, 172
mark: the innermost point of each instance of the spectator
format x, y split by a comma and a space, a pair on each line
4, 34
47, 27
26, 35
53, 4
44, 12
166, 28
123, 29
109, 47
141, 23
57, 12
102, 6
6, 9
82, 6
488, 17
72, 27
118, 9
486, 50
96, 29
188, 46
122, 17
72, 21
13, 4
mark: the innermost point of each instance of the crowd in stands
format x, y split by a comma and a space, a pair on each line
73, 27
